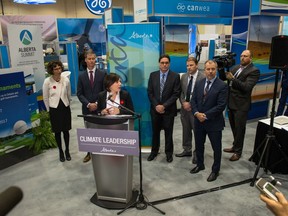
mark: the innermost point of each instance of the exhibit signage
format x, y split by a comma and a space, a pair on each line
185, 7
140, 10
134, 50
14, 114
25, 45
108, 142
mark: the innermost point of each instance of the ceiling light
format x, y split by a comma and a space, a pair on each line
35, 2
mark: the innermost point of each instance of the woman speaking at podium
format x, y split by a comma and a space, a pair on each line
109, 100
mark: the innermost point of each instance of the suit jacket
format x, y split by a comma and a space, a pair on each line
125, 100
85, 93
241, 88
213, 107
184, 83
54, 91
170, 92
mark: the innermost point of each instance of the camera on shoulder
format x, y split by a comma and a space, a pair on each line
225, 61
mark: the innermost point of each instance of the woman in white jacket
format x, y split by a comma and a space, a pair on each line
57, 96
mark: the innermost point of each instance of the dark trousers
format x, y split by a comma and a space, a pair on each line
238, 121
215, 138
165, 122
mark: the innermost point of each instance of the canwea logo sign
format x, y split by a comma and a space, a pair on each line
98, 6
26, 37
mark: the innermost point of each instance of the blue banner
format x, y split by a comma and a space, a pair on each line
15, 121
241, 8
133, 54
190, 7
239, 37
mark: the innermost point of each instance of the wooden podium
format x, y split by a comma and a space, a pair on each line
113, 174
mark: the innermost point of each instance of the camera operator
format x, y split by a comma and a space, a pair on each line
241, 81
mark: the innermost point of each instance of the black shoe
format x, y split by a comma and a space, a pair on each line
197, 169
151, 157
169, 158
184, 154
61, 156
67, 154
194, 159
87, 158
213, 176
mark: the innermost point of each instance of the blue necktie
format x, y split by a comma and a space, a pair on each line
162, 83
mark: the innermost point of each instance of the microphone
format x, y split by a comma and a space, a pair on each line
109, 97
9, 199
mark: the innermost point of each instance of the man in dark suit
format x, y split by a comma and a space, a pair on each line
163, 91
90, 83
188, 81
208, 103
241, 81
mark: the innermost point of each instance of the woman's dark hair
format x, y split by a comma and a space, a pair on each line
51, 65
110, 79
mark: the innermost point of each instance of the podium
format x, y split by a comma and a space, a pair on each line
113, 174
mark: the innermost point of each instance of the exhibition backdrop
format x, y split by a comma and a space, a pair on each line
89, 33
176, 45
47, 25
133, 51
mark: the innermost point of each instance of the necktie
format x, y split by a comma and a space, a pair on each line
91, 78
189, 88
162, 83
206, 90
207, 87
238, 72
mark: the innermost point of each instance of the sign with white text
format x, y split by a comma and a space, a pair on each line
108, 142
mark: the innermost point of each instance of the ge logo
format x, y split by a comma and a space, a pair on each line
98, 6
181, 7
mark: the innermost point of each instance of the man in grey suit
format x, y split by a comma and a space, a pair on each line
241, 81
163, 91
188, 81
209, 100
90, 83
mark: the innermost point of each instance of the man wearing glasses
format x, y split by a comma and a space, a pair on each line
163, 91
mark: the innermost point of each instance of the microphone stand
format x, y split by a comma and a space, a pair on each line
140, 202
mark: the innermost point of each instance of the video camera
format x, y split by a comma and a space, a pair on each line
225, 61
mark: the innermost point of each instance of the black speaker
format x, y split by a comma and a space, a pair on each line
279, 52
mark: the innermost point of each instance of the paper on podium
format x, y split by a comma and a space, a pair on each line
281, 120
